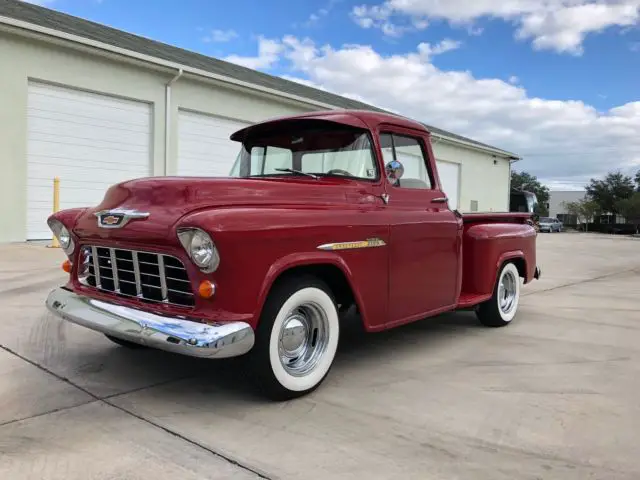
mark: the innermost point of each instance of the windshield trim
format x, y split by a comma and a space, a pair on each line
372, 147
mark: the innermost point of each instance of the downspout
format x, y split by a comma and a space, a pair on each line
509, 188
167, 119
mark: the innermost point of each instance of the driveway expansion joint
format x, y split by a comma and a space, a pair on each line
106, 401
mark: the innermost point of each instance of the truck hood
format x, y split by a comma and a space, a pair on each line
160, 202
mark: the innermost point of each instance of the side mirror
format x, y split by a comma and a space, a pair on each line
394, 171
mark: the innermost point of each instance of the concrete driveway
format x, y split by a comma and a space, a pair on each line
554, 395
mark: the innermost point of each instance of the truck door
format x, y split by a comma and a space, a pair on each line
425, 235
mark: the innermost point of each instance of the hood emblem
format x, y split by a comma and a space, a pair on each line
118, 217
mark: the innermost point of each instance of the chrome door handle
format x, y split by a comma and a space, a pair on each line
440, 200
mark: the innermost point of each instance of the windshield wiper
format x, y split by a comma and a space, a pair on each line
298, 172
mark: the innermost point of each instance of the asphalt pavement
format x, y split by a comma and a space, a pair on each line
552, 396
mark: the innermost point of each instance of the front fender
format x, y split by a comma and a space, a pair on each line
301, 259
257, 245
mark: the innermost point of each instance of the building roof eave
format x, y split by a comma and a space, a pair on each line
8, 18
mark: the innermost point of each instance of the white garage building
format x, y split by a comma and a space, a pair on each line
93, 106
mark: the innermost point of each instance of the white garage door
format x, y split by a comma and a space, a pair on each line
204, 148
89, 141
450, 180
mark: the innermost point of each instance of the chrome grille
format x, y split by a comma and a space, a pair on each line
148, 276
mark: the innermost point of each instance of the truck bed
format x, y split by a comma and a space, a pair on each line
497, 217
490, 239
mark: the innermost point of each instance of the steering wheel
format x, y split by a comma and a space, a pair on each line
339, 171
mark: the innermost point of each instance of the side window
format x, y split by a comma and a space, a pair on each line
386, 144
406, 150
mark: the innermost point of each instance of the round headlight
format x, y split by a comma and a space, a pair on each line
201, 249
62, 234
64, 237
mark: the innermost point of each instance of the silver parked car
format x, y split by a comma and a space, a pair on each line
548, 224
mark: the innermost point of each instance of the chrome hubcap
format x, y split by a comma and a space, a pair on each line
303, 339
507, 292
294, 331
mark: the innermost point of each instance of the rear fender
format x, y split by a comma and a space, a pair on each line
488, 246
517, 257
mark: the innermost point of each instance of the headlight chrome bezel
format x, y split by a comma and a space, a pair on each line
63, 234
187, 235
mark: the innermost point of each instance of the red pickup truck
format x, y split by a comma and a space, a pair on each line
322, 213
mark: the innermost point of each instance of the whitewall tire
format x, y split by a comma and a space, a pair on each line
502, 307
296, 339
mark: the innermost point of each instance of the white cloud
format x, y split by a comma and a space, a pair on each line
559, 25
563, 142
385, 18
220, 36
268, 55
322, 12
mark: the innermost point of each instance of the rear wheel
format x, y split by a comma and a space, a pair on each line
296, 339
501, 308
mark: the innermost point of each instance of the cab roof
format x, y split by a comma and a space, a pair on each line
364, 119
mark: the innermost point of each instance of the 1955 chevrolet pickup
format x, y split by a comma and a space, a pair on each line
321, 213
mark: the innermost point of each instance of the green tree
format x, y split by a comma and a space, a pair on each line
585, 210
638, 181
630, 209
610, 190
530, 183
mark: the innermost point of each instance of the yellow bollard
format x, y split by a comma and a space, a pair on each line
56, 207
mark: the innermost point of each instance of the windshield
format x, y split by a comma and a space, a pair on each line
332, 150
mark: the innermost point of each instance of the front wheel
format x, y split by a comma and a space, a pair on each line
501, 308
296, 339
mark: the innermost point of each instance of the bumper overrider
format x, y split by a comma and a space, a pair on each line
172, 334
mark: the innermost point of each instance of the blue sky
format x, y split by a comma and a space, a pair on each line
557, 83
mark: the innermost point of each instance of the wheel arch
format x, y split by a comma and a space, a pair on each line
328, 267
517, 258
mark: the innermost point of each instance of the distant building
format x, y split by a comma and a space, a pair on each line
557, 209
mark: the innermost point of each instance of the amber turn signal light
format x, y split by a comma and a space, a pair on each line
66, 266
206, 289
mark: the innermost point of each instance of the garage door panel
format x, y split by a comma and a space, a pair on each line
70, 177
131, 123
119, 161
201, 124
51, 124
72, 192
92, 105
83, 149
449, 174
204, 147
74, 177
89, 141
53, 131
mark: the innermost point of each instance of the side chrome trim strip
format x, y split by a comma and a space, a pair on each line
368, 243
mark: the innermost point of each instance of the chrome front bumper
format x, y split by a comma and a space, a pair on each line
172, 334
